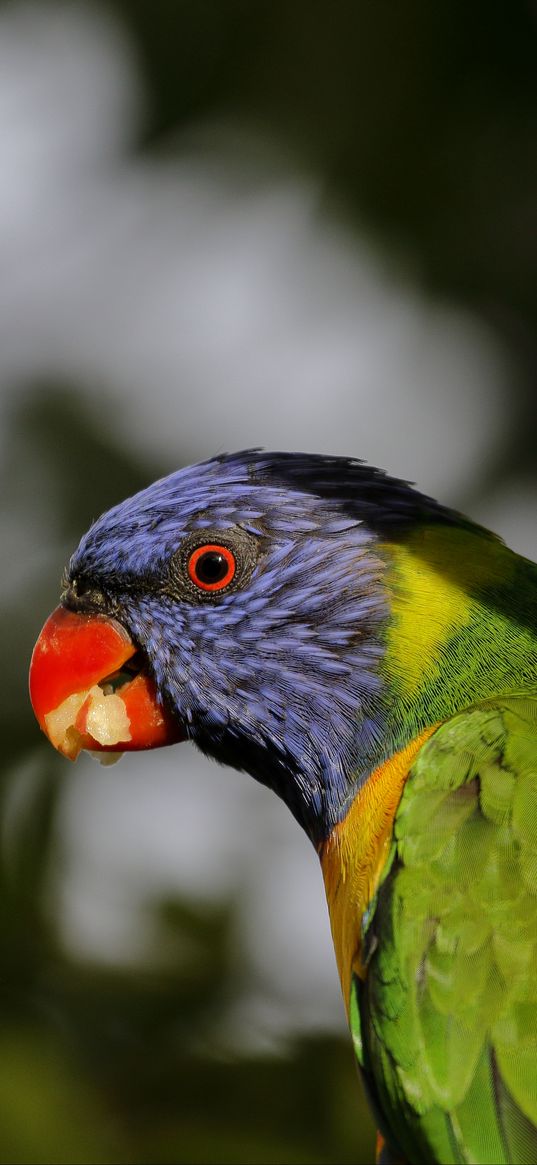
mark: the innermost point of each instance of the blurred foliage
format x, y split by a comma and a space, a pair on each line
421, 119
104, 1065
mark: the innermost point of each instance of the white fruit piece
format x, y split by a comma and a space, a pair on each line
106, 721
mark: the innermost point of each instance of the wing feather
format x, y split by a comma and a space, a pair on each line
448, 1008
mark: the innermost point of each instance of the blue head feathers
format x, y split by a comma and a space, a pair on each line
278, 672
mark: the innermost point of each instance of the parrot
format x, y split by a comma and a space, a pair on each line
371, 656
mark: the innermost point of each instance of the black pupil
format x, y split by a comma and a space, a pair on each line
211, 567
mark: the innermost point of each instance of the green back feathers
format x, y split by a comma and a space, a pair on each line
448, 1010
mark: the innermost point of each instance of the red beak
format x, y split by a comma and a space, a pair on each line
86, 695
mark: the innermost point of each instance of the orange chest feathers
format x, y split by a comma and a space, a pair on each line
354, 855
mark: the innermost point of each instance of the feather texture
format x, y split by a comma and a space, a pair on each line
448, 1007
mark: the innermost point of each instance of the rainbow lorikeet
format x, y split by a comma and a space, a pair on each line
371, 656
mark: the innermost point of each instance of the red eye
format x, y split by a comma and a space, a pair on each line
212, 567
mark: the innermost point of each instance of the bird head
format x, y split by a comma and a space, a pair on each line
242, 604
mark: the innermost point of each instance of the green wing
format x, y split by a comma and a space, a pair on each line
448, 1010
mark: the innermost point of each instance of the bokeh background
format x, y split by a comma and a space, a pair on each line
290, 224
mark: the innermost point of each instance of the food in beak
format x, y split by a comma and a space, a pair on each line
89, 692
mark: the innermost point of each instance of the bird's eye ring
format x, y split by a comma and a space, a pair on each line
212, 567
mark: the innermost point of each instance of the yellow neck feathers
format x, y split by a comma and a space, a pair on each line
435, 579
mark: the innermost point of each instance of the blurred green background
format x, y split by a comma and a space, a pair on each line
226, 223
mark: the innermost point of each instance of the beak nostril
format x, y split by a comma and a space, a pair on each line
81, 594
